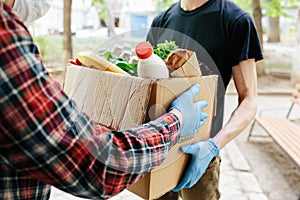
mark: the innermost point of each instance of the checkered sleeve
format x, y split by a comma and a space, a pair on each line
45, 140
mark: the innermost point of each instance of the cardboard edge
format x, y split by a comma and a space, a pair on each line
136, 188
216, 82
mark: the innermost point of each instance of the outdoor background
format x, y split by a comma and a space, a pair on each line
79, 25
72, 26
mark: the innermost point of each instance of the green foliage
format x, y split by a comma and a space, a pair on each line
98, 1
244, 4
123, 63
161, 5
103, 12
45, 46
272, 8
275, 8
164, 49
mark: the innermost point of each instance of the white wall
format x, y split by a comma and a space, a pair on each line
82, 15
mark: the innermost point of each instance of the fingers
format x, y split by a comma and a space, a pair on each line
189, 179
183, 182
202, 104
193, 179
190, 149
193, 90
201, 123
203, 116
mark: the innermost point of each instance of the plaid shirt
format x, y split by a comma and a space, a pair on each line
45, 140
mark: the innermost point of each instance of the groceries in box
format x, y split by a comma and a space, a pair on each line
120, 101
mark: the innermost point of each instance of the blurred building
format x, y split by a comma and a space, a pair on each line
127, 15
83, 16
136, 16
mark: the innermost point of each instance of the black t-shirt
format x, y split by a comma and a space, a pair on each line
221, 34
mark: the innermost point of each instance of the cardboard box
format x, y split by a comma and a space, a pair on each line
120, 102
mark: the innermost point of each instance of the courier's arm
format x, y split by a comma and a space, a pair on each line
244, 76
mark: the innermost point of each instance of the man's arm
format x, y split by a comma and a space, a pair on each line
245, 80
46, 138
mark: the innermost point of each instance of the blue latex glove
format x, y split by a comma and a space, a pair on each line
202, 153
193, 117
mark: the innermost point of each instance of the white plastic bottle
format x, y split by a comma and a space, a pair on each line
150, 65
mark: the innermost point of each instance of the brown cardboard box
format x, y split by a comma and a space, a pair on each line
120, 102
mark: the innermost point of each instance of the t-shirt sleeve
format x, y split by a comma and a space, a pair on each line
244, 40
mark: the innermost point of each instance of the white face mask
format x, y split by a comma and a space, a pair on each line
31, 10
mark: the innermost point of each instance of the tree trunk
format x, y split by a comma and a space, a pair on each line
67, 34
110, 20
295, 74
257, 15
274, 29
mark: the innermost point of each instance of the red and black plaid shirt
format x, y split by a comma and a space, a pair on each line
45, 140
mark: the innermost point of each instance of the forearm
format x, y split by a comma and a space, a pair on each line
125, 156
244, 76
110, 161
86, 155
47, 138
238, 121
136, 150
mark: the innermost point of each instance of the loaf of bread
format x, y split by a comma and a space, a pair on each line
177, 58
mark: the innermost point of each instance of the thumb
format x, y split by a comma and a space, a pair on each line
193, 90
189, 149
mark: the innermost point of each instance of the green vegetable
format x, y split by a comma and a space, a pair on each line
164, 49
124, 64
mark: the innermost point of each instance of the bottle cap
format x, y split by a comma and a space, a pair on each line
143, 50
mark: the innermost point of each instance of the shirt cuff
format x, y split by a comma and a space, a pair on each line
173, 126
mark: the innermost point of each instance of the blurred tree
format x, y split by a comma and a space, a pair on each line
257, 15
295, 75
106, 15
245, 4
254, 8
67, 34
274, 10
161, 5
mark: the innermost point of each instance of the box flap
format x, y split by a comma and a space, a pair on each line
189, 69
110, 99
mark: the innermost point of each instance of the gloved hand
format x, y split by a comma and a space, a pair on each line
193, 117
202, 153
